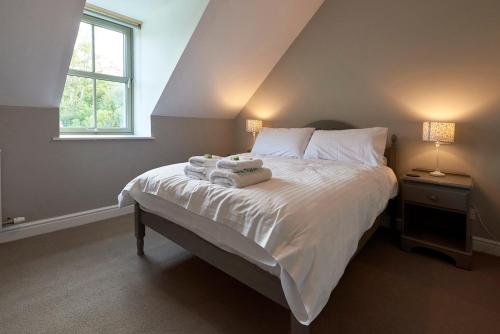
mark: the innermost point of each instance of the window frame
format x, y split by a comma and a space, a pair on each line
127, 79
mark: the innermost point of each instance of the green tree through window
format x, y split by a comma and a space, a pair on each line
98, 91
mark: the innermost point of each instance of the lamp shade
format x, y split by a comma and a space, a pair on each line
254, 125
439, 132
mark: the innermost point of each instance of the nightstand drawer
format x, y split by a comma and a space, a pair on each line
448, 198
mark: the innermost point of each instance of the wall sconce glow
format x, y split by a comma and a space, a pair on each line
266, 110
447, 92
254, 126
265, 114
439, 133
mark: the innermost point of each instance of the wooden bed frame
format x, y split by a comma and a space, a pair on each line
234, 265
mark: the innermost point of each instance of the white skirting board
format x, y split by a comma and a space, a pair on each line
30, 229
487, 246
42, 226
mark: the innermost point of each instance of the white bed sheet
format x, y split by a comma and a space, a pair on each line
217, 234
306, 222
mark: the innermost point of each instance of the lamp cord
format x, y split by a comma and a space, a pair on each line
480, 220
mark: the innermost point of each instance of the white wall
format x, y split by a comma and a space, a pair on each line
158, 46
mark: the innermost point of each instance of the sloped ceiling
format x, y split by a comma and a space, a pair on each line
36, 43
234, 47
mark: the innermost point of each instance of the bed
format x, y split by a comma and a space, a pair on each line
261, 235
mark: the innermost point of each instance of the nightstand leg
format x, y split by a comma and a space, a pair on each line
464, 262
405, 245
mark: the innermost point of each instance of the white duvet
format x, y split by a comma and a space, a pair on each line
309, 217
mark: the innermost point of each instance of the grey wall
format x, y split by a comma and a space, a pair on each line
234, 47
42, 178
396, 63
36, 39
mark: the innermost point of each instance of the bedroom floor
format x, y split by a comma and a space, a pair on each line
89, 280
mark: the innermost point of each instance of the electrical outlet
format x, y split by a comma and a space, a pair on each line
19, 220
13, 221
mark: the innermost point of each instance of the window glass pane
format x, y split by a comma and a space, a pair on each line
110, 103
108, 51
82, 54
77, 104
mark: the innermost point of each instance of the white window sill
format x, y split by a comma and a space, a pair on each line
101, 137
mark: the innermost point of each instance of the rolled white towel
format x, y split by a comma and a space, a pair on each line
227, 178
197, 173
239, 165
201, 161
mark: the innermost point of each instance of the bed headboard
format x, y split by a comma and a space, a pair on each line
390, 151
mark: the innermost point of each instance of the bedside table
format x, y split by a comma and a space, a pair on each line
435, 215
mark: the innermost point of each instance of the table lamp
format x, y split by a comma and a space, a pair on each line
439, 133
254, 126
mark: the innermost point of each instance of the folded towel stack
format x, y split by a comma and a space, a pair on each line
239, 173
244, 178
199, 167
198, 173
207, 160
239, 165
228, 172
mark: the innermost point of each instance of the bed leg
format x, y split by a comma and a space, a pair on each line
297, 328
140, 230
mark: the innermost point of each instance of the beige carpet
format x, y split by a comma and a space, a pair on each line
89, 280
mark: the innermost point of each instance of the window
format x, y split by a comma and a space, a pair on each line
97, 97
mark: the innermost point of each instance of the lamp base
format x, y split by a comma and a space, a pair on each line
437, 173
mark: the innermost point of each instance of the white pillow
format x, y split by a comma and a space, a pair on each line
282, 142
365, 146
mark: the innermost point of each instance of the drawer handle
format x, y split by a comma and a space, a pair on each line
433, 198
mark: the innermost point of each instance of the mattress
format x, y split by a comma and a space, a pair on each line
303, 225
